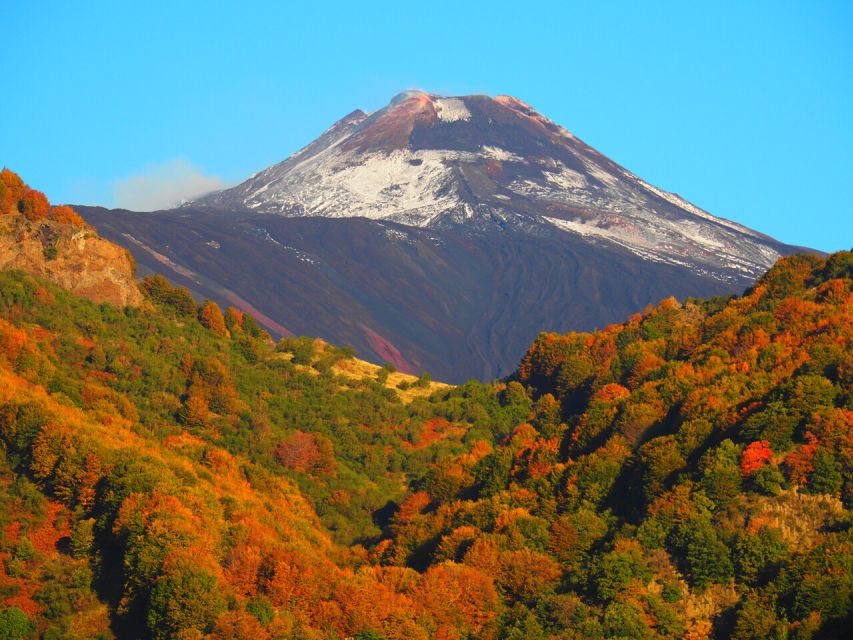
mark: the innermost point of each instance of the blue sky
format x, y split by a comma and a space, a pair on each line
744, 108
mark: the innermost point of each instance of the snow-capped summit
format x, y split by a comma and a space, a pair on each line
434, 161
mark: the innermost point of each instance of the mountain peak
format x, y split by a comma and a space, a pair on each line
428, 160
408, 94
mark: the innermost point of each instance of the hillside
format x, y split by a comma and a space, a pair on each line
460, 307
443, 234
686, 474
168, 471
173, 440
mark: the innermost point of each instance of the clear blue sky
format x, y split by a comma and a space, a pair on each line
744, 108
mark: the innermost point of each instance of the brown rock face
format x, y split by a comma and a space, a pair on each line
74, 258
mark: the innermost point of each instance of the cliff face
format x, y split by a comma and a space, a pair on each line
73, 257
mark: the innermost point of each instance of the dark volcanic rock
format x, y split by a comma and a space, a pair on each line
456, 305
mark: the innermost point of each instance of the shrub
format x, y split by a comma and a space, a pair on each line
159, 289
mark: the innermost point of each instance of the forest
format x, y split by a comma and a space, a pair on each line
169, 471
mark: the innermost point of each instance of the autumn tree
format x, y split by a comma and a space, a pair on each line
210, 316
11, 190
234, 319
459, 597
527, 574
754, 457
306, 452
65, 215
33, 205
572, 536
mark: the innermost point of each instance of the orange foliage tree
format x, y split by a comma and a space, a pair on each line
459, 598
210, 316
11, 190
799, 462
66, 215
34, 205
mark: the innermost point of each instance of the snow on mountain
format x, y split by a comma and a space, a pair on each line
427, 160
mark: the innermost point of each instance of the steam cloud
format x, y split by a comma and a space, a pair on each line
164, 185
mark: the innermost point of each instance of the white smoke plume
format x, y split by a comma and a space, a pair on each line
164, 185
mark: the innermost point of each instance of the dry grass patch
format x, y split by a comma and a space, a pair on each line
359, 369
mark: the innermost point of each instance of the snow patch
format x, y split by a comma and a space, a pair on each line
502, 155
565, 178
451, 109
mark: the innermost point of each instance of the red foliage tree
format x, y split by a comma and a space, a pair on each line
412, 506
525, 574
233, 319
755, 456
799, 463
306, 452
242, 565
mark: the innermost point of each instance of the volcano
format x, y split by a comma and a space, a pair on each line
431, 161
442, 234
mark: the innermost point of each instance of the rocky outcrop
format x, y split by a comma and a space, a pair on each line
73, 257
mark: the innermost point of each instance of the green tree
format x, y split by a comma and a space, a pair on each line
14, 624
182, 599
826, 478
756, 620
721, 476
706, 558
755, 552
619, 568
624, 621
82, 538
